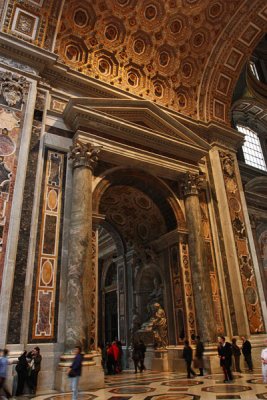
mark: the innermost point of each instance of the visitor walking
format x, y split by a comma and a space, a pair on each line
22, 371
3, 373
246, 350
34, 368
236, 353
264, 363
142, 348
75, 372
188, 357
136, 355
199, 356
225, 354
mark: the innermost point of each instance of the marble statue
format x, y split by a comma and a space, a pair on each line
159, 326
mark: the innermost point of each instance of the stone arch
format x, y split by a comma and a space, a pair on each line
231, 51
152, 186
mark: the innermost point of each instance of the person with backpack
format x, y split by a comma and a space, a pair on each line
75, 372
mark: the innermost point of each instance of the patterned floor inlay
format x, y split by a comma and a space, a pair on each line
183, 382
256, 381
178, 396
68, 396
226, 397
229, 388
262, 396
119, 398
220, 377
132, 390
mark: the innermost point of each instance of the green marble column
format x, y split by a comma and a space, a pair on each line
200, 272
80, 282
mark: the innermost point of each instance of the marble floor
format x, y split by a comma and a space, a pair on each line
171, 386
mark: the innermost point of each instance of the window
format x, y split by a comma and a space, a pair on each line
252, 149
254, 70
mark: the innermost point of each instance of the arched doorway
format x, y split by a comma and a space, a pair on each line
133, 270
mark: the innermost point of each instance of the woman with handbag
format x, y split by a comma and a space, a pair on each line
75, 371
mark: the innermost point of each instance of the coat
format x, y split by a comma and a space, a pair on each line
225, 353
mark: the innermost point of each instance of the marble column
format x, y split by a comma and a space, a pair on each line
80, 279
200, 273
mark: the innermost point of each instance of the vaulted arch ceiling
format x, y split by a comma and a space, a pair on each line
183, 54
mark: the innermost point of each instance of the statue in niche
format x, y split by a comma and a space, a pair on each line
159, 326
156, 296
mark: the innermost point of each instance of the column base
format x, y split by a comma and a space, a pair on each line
92, 373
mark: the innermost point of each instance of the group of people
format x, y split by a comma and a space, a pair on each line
27, 368
226, 350
138, 355
112, 358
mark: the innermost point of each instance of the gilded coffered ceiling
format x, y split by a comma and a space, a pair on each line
182, 54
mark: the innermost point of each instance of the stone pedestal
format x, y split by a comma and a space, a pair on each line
160, 361
92, 373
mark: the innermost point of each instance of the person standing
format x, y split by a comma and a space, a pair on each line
3, 373
22, 371
110, 359
35, 367
188, 357
236, 353
264, 363
199, 355
75, 371
246, 350
225, 354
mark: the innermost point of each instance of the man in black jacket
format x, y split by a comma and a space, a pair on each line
188, 356
246, 350
225, 354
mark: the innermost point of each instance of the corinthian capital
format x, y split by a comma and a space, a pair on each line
84, 154
193, 183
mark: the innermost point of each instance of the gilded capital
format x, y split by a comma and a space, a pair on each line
84, 154
192, 183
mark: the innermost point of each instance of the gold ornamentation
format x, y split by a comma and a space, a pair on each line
13, 88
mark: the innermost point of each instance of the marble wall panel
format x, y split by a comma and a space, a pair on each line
43, 323
9, 148
24, 237
211, 263
246, 267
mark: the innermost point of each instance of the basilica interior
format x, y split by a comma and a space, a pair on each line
133, 189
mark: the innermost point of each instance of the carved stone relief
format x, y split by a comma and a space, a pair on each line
13, 89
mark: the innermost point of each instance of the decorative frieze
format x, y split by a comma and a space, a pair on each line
246, 267
48, 257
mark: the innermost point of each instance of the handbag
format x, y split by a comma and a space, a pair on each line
72, 374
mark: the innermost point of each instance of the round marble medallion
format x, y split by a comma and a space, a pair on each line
262, 396
7, 146
220, 377
182, 382
132, 390
256, 381
229, 388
